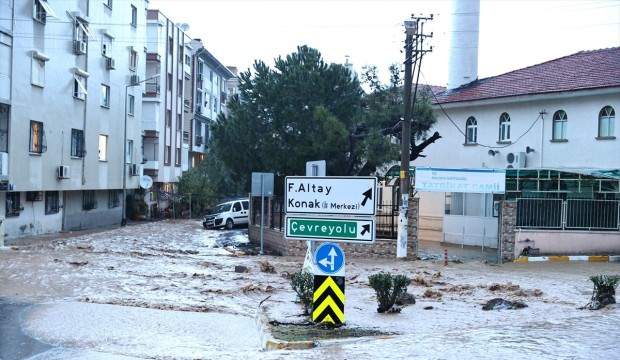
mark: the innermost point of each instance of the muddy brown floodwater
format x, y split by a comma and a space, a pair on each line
170, 290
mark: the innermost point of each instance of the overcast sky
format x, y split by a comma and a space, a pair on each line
513, 34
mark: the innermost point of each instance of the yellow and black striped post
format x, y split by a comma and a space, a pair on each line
328, 300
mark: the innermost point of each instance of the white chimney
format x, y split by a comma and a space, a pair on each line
463, 64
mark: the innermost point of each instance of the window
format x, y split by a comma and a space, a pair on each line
167, 154
168, 118
177, 156
114, 198
180, 88
560, 121
246, 205
108, 3
41, 10
131, 104
89, 200
79, 87
103, 148
36, 137
106, 46
134, 16
188, 60
129, 152
4, 128
179, 122
237, 207
211, 75
13, 204
180, 53
51, 202
606, 118
504, 127
471, 131
77, 143
82, 31
133, 60
105, 96
38, 70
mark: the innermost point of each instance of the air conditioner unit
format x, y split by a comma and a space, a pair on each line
516, 160
63, 172
79, 47
134, 170
110, 64
4, 166
34, 195
134, 79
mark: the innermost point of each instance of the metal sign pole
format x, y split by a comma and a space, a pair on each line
262, 213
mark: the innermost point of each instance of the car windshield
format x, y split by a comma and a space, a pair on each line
222, 208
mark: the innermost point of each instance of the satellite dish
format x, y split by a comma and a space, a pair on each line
146, 182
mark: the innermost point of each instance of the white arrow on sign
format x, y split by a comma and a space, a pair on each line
332, 255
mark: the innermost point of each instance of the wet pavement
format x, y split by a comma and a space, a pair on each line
170, 290
14, 342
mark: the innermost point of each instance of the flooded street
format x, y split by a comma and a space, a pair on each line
172, 290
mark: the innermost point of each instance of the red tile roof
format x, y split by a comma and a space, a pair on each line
583, 70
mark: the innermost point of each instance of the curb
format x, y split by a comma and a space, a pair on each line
588, 258
268, 342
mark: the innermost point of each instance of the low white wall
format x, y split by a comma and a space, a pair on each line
555, 242
32, 220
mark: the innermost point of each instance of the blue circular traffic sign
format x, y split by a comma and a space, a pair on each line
329, 258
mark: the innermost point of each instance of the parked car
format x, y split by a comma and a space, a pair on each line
228, 215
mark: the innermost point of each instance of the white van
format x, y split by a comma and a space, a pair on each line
228, 215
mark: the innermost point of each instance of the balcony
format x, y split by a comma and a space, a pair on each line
151, 165
151, 89
153, 57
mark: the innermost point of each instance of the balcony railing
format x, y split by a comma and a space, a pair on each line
153, 57
151, 89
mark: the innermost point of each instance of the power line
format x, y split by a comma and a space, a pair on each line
465, 135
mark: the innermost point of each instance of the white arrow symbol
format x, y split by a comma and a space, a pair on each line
332, 255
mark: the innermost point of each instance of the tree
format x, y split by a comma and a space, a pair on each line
301, 109
385, 106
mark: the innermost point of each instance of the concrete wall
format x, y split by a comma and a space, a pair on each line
555, 242
507, 230
32, 220
101, 216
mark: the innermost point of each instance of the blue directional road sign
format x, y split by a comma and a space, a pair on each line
329, 259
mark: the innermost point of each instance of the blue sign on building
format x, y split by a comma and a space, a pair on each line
329, 259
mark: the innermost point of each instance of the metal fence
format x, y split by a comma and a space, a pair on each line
572, 214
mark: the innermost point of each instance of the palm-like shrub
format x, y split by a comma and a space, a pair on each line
604, 292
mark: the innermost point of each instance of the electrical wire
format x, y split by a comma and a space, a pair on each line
443, 110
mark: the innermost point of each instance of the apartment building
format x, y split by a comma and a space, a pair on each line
63, 109
168, 65
212, 84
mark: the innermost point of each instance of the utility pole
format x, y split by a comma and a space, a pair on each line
413, 34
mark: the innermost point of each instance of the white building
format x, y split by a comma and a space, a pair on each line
168, 53
212, 84
559, 114
64, 66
